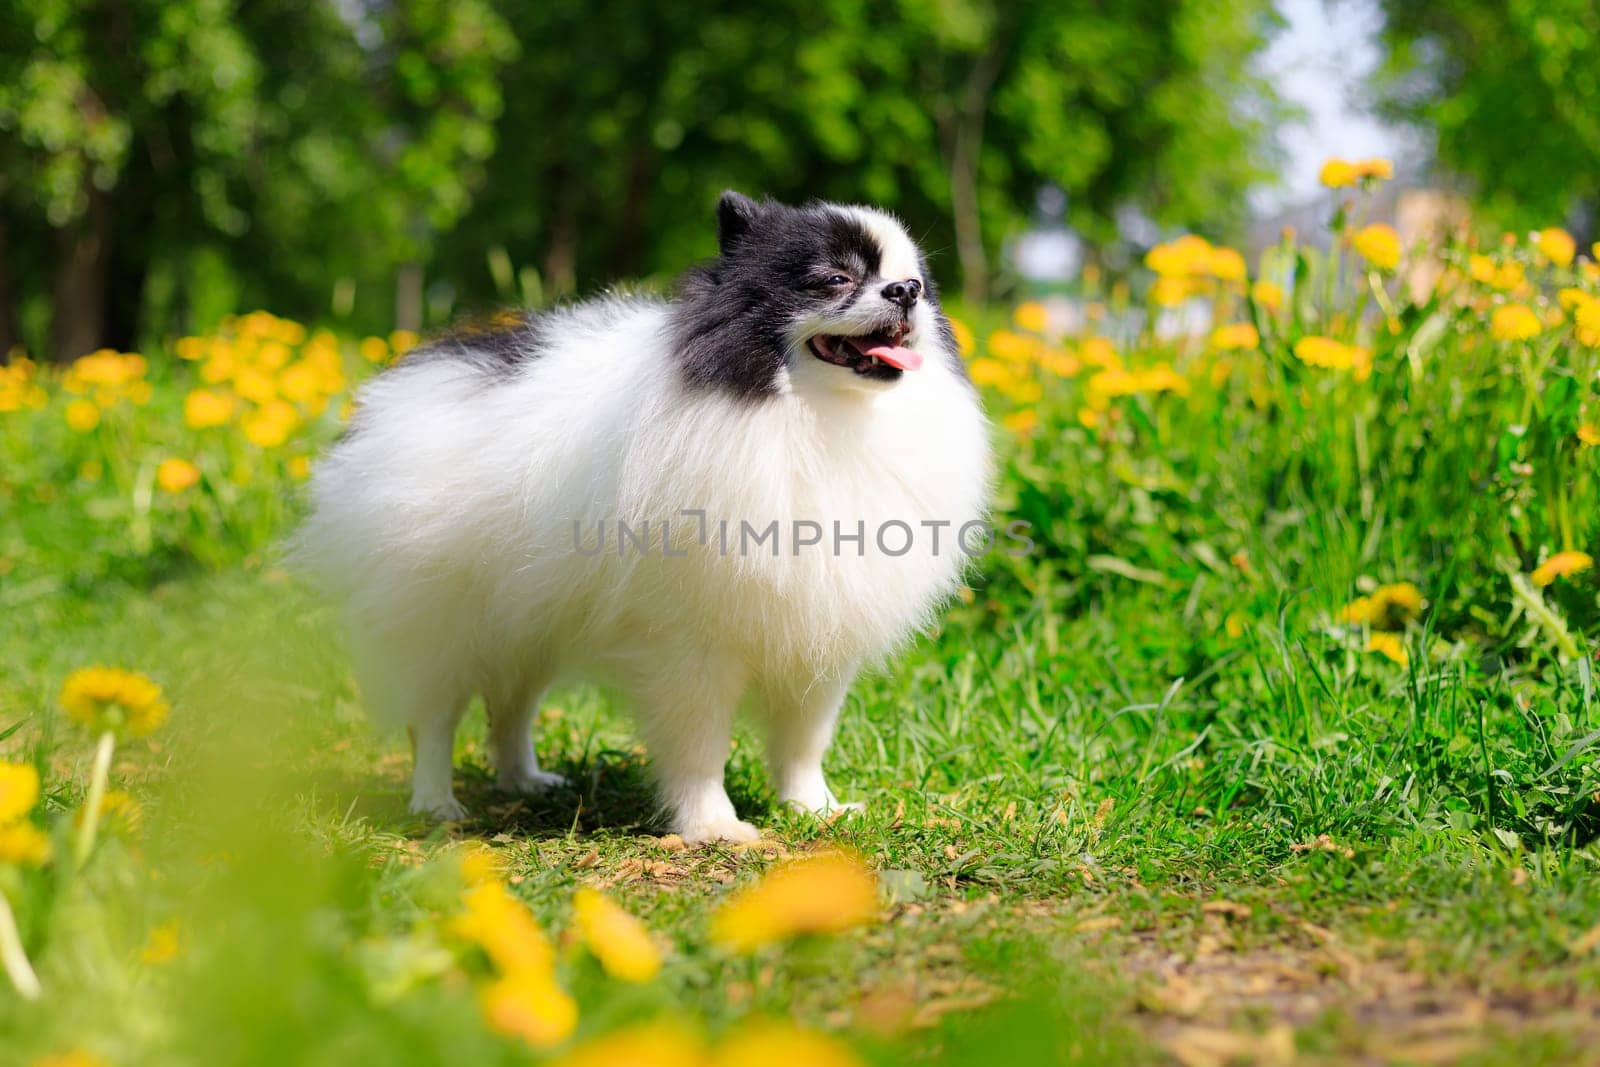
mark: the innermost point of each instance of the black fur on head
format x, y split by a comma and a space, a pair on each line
776, 264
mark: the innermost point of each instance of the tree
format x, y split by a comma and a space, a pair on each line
625, 120
302, 141
1511, 89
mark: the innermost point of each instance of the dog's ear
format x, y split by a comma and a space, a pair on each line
736, 213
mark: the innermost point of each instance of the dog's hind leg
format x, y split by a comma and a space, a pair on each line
516, 764
800, 720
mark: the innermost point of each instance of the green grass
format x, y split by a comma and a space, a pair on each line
1141, 797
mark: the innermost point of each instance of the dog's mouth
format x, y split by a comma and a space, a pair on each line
879, 355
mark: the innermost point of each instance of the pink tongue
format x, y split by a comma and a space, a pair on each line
895, 356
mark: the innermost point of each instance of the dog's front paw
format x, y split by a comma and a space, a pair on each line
446, 808
528, 783
705, 831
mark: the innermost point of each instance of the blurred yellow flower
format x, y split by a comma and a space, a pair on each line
531, 1007
192, 349
1514, 322
504, 929
174, 475
1267, 294
1013, 347
1235, 336
1100, 352
255, 385
1021, 422
1339, 173
1389, 645
775, 1043
107, 698
990, 372
71, 1058
299, 467
965, 341
1557, 245
478, 863
1389, 607
1170, 292
270, 425
1589, 434
374, 349
1032, 316
205, 408
1088, 418
1330, 354
820, 894
24, 844
659, 1043
82, 415
162, 944
1561, 565
1379, 245
402, 341
1587, 320
1226, 264
618, 940
300, 382
19, 790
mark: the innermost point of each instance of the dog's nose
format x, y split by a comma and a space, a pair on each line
904, 293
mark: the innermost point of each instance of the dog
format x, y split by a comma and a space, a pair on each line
794, 399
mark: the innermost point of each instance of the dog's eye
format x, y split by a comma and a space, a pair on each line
839, 279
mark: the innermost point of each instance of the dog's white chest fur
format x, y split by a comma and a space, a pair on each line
585, 512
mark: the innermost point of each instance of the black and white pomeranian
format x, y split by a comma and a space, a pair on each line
751, 490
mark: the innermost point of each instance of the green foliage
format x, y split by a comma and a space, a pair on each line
1512, 93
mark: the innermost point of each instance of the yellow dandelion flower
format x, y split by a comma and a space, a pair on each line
162, 945
1236, 336
659, 1043
19, 790
1509, 276
990, 372
1561, 565
106, 698
530, 1007
270, 425
1226, 264
965, 340
23, 844
774, 1043
1267, 294
1327, 353
402, 341
478, 863
1389, 645
1557, 245
1514, 322
255, 385
820, 894
71, 1058
374, 349
1031, 316
1389, 607
1013, 347
1571, 298
1379, 245
1088, 418
1021, 422
618, 940
1481, 268
1160, 378
1187, 255
1587, 320
206, 408
299, 467
175, 474
1100, 352
1589, 434
1337, 174
1169, 292
83, 415
192, 349
300, 382
506, 931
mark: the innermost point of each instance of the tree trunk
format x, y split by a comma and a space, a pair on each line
635, 203
78, 294
10, 332
408, 298
965, 155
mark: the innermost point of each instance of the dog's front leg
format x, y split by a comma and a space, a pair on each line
801, 716
686, 716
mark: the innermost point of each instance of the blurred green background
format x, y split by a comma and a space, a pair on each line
376, 164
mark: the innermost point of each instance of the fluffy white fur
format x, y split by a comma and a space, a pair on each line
446, 524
